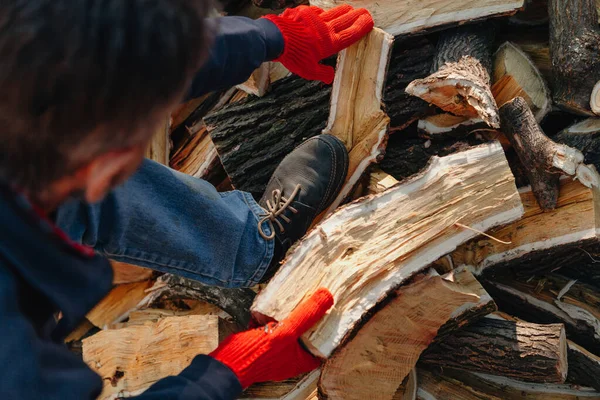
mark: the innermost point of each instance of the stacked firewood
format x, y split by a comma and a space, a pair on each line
462, 252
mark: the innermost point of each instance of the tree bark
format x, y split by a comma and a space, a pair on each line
585, 137
543, 159
253, 136
575, 53
524, 351
584, 367
460, 79
550, 298
366, 249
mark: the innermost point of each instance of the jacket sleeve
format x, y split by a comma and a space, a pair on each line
205, 379
240, 45
34, 368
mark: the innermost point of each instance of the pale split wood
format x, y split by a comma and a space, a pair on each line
366, 249
131, 359
514, 75
260, 80
446, 124
386, 349
303, 388
160, 145
356, 116
537, 230
117, 305
380, 181
127, 273
404, 17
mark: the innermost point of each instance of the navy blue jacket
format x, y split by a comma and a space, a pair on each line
41, 274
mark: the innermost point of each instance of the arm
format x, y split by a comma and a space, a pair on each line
239, 47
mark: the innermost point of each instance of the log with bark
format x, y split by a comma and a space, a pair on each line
366, 249
401, 18
575, 53
449, 125
539, 238
585, 137
131, 359
460, 79
515, 75
262, 78
253, 136
550, 298
520, 350
584, 367
543, 159
453, 385
235, 302
356, 117
387, 347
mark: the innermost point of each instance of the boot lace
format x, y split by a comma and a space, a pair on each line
275, 208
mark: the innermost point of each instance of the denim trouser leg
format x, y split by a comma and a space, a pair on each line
171, 222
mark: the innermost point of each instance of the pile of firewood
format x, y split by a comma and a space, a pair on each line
465, 265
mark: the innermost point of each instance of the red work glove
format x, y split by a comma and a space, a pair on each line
311, 34
272, 352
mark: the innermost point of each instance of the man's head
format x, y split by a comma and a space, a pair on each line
84, 85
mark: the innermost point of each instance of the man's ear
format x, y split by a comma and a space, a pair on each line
109, 170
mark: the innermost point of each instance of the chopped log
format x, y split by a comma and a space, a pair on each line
584, 367
543, 159
453, 385
387, 347
520, 350
575, 53
515, 75
408, 389
356, 117
573, 223
118, 303
406, 156
535, 13
262, 78
550, 298
535, 43
160, 145
585, 137
380, 181
302, 388
131, 359
127, 273
460, 82
449, 125
253, 136
366, 249
401, 18
235, 302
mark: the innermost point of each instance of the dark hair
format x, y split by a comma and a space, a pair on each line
78, 77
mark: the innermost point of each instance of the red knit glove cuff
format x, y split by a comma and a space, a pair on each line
299, 55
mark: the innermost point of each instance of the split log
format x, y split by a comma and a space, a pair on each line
543, 159
302, 388
131, 359
515, 75
453, 385
460, 82
408, 389
534, 13
160, 145
235, 302
366, 249
535, 43
253, 136
520, 350
387, 347
116, 306
380, 181
356, 117
401, 18
539, 238
127, 273
584, 367
585, 137
575, 53
550, 298
262, 78
449, 125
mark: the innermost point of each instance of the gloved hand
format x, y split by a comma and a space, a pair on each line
311, 34
272, 352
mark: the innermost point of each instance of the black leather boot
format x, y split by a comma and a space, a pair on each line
303, 185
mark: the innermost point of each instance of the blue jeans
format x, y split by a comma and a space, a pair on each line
171, 222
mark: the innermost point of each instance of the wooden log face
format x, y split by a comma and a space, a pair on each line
366, 249
402, 17
388, 346
537, 230
356, 116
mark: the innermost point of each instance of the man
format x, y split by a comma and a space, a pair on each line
83, 86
